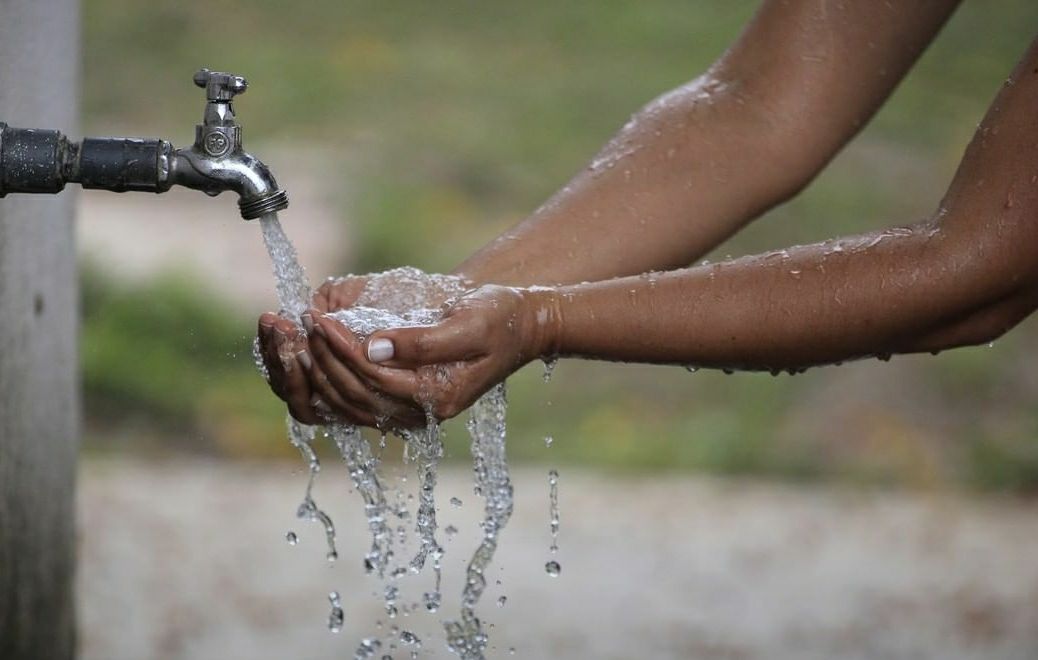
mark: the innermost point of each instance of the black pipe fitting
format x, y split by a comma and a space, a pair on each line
43, 161
122, 164
32, 160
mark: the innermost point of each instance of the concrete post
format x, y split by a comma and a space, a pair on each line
39, 402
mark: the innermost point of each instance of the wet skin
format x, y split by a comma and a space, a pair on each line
687, 171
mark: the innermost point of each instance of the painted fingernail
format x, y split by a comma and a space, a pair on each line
308, 323
304, 359
380, 350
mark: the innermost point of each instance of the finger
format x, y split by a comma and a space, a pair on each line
455, 339
356, 392
320, 298
325, 402
344, 348
269, 355
320, 385
340, 293
287, 327
345, 413
298, 394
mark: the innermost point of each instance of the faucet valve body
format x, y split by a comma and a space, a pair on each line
43, 161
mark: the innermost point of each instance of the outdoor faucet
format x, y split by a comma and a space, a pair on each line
43, 161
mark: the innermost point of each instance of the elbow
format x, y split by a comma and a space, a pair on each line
989, 286
977, 327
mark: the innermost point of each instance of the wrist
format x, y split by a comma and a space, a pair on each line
542, 312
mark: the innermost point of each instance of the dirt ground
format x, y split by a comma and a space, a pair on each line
187, 559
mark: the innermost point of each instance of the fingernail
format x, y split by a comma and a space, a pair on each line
380, 350
308, 323
320, 406
304, 359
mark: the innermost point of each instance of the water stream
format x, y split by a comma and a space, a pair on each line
396, 298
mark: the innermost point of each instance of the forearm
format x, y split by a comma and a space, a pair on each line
698, 163
965, 276
681, 177
888, 292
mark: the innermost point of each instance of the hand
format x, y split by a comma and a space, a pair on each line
339, 292
327, 391
281, 343
335, 375
338, 390
484, 337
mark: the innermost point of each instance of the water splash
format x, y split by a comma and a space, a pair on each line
396, 298
486, 426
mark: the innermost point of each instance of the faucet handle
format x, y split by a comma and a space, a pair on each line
220, 86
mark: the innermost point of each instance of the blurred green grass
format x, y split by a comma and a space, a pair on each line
456, 118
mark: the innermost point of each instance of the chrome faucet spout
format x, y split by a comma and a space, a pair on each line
216, 161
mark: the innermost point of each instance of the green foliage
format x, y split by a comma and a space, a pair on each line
166, 353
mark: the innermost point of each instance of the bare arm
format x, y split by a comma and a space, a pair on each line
964, 276
699, 162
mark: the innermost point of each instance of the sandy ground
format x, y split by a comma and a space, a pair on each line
187, 559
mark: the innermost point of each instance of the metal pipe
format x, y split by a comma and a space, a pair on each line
42, 161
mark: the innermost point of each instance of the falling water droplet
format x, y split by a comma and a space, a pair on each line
336, 616
553, 508
548, 440
409, 638
501, 601
291, 538
553, 568
368, 647
431, 600
549, 368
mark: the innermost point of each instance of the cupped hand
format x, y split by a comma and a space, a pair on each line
336, 386
483, 337
317, 389
280, 343
283, 347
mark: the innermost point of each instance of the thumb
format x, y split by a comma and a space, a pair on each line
452, 340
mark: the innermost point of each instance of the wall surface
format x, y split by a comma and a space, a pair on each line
39, 407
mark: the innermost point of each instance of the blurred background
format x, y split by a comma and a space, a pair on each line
870, 510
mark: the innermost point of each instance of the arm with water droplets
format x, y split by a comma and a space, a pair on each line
964, 276
698, 163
